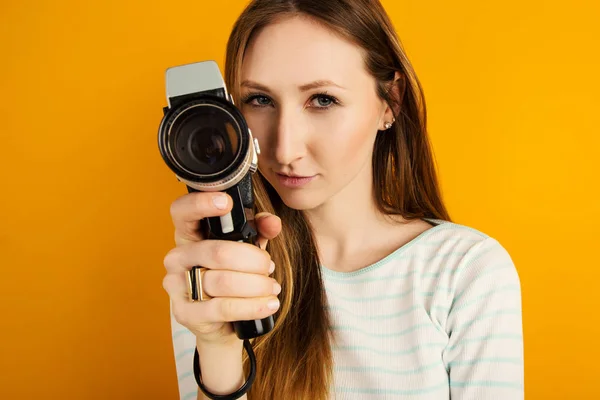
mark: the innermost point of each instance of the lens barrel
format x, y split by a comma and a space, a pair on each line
205, 140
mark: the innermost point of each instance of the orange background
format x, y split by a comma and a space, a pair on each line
512, 89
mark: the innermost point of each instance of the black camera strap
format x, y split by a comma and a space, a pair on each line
241, 391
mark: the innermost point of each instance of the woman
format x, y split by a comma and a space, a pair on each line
382, 296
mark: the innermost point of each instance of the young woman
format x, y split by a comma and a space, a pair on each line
376, 293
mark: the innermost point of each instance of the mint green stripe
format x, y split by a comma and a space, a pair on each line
507, 336
498, 267
506, 288
468, 263
453, 241
383, 316
412, 350
510, 311
184, 353
515, 311
411, 371
394, 296
446, 289
375, 317
382, 278
499, 360
427, 259
508, 385
412, 392
180, 332
382, 335
185, 375
438, 289
191, 395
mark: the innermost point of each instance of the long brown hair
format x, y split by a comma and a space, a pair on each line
294, 361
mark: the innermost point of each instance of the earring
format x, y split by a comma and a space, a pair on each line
387, 125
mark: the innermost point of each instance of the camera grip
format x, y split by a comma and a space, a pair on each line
257, 327
241, 228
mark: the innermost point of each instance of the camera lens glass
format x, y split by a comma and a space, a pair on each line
204, 139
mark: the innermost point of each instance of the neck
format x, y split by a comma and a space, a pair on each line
349, 221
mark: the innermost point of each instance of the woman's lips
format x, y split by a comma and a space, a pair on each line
294, 181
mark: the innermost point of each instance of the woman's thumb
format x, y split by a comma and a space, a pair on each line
268, 226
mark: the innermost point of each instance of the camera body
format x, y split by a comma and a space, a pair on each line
204, 139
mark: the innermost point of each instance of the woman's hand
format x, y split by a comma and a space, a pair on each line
237, 276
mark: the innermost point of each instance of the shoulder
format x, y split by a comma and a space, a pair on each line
467, 253
453, 230
472, 240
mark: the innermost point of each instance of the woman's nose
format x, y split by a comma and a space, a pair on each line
289, 138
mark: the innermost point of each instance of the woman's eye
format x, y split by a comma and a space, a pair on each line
262, 100
257, 101
323, 101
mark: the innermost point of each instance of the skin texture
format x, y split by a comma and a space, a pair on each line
326, 130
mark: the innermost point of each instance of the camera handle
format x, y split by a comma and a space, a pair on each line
239, 227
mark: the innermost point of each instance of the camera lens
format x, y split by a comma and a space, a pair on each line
207, 146
205, 139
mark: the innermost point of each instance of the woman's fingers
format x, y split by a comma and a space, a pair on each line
218, 309
189, 209
224, 309
218, 254
238, 284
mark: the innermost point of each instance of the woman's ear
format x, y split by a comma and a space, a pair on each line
396, 90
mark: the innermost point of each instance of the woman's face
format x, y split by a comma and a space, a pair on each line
309, 100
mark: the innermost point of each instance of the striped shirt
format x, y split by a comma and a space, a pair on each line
439, 318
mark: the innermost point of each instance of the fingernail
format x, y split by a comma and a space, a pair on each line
220, 201
272, 267
276, 288
273, 304
261, 215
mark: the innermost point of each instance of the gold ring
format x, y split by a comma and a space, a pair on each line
194, 281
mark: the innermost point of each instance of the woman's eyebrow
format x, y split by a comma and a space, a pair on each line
318, 84
303, 88
254, 85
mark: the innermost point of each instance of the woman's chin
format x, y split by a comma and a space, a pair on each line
298, 201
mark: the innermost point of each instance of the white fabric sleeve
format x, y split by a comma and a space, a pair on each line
184, 344
484, 355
